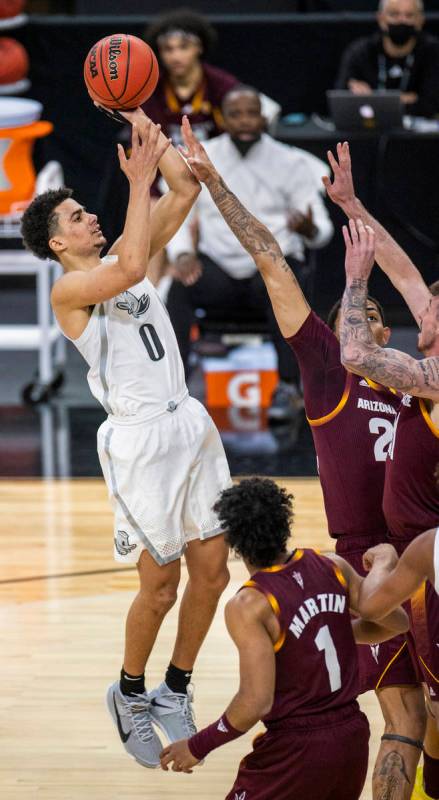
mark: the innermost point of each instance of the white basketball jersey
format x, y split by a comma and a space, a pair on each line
131, 349
436, 561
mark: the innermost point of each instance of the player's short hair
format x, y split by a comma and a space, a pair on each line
256, 515
40, 221
331, 319
240, 88
183, 19
434, 288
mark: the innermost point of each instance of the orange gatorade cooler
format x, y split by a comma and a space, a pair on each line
246, 378
19, 127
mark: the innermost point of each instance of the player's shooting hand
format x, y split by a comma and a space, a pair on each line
195, 154
147, 148
186, 269
341, 189
179, 755
382, 554
360, 250
303, 224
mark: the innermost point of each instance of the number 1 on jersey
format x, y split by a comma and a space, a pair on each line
324, 642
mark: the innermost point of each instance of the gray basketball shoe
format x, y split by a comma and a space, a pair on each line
133, 719
172, 712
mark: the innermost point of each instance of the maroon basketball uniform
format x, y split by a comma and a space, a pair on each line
411, 506
203, 108
352, 420
315, 716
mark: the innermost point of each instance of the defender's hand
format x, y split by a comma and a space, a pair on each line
341, 190
179, 755
360, 250
195, 154
359, 87
384, 554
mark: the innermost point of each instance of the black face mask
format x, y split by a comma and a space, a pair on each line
244, 146
400, 34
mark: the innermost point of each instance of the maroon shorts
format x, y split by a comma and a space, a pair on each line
424, 641
386, 664
315, 758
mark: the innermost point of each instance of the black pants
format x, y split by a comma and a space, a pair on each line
225, 298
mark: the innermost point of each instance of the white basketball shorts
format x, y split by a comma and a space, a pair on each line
163, 478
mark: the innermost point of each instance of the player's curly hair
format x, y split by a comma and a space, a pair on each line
256, 515
40, 221
331, 319
183, 19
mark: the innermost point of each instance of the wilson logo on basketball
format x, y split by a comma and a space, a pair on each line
114, 52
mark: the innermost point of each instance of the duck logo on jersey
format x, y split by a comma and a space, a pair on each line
122, 543
298, 578
134, 305
375, 650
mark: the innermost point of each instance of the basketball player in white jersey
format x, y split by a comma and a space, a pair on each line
161, 455
391, 581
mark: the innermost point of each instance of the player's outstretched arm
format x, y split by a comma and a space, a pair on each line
390, 256
247, 617
289, 304
365, 631
391, 581
79, 289
359, 351
172, 209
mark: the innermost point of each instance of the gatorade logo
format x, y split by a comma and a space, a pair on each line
244, 390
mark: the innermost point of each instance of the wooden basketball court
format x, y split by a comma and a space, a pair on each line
63, 605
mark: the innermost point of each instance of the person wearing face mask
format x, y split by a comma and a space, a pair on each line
400, 57
279, 184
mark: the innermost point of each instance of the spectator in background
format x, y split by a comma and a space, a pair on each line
188, 85
399, 58
280, 185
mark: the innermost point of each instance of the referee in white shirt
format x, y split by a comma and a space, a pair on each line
277, 184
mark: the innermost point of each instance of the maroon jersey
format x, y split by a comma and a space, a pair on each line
411, 497
352, 424
316, 655
203, 108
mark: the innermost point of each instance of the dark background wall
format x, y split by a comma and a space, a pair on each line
292, 58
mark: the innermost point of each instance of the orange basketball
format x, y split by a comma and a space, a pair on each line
14, 61
121, 71
11, 8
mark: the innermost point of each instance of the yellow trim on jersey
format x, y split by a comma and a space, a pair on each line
279, 567
379, 386
428, 670
174, 104
390, 664
315, 423
339, 575
426, 415
274, 606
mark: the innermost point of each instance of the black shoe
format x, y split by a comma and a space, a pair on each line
286, 403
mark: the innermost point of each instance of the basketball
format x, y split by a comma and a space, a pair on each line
14, 61
11, 8
121, 71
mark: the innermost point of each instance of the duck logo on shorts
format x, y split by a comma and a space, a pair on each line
122, 543
134, 305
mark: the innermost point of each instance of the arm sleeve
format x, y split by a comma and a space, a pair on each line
323, 376
427, 90
351, 66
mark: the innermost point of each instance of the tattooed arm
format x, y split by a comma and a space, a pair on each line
289, 304
359, 351
392, 259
